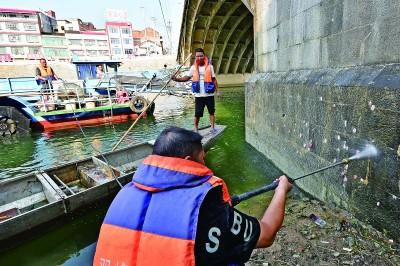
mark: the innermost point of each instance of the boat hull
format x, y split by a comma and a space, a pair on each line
62, 200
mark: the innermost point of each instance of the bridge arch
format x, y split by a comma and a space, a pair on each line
224, 29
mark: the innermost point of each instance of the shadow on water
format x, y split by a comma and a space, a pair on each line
72, 243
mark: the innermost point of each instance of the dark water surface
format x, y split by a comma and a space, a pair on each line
71, 242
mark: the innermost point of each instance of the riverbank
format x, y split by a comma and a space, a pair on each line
342, 241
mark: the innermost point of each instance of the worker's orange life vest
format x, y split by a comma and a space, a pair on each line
153, 220
209, 85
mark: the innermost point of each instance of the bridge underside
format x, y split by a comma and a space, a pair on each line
224, 29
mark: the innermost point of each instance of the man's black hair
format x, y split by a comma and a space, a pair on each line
199, 50
178, 142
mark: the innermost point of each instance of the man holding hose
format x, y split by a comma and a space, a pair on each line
176, 212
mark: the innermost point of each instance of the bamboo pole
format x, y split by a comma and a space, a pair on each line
148, 106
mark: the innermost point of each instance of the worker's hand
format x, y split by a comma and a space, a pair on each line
173, 78
284, 184
218, 93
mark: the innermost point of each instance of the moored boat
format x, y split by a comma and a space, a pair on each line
31, 200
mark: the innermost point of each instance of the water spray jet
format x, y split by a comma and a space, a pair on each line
369, 152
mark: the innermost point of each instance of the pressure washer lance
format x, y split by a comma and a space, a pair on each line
369, 152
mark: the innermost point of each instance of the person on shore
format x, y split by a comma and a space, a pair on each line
44, 76
176, 212
204, 85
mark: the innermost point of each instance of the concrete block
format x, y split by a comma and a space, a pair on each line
311, 54
284, 58
358, 12
295, 8
332, 17
283, 10
334, 50
353, 43
296, 57
271, 42
297, 29
270, 14
312, 29
383, 44
284, 33
271, 61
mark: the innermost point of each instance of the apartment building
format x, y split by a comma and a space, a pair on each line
19, 34
55, 47
88, 45
76, 24
120, 39
147, 42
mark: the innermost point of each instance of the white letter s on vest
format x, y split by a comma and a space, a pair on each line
213, 231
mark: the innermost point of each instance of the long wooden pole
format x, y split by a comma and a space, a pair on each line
148, 106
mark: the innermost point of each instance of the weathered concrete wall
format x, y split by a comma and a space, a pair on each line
329, 82
304, 34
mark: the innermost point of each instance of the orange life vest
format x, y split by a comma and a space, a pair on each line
209, 85
153, 220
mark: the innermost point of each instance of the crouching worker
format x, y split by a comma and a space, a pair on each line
176, 212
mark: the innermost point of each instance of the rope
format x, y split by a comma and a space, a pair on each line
148, 106
165, 23
94, 148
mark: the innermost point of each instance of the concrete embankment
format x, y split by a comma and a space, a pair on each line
67, 70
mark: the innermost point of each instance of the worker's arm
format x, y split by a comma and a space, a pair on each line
38, 74
180, 79
272, 220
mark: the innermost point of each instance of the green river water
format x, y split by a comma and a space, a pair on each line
72, 241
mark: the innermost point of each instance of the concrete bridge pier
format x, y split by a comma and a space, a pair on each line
325, 81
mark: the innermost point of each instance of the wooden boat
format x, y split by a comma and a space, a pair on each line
31, 200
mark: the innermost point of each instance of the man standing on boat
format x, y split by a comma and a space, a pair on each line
45, 75
176, 212
204, 85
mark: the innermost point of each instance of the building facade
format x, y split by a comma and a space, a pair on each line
19, 34
120, 39
147, 42
77, 25
55, 47
88, 45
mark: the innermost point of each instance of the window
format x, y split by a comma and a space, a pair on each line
102, 43
75, 42
117, 51
126, 31
127, 41
3, 50
17, 50
71, 28
12, 26
104, 52
34, 50
128, 51
77, 52
90, 42
29, 27
32, 38
113, 29
115, 41
92, 52
14, 38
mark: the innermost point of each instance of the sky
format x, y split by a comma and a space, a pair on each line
142, 13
